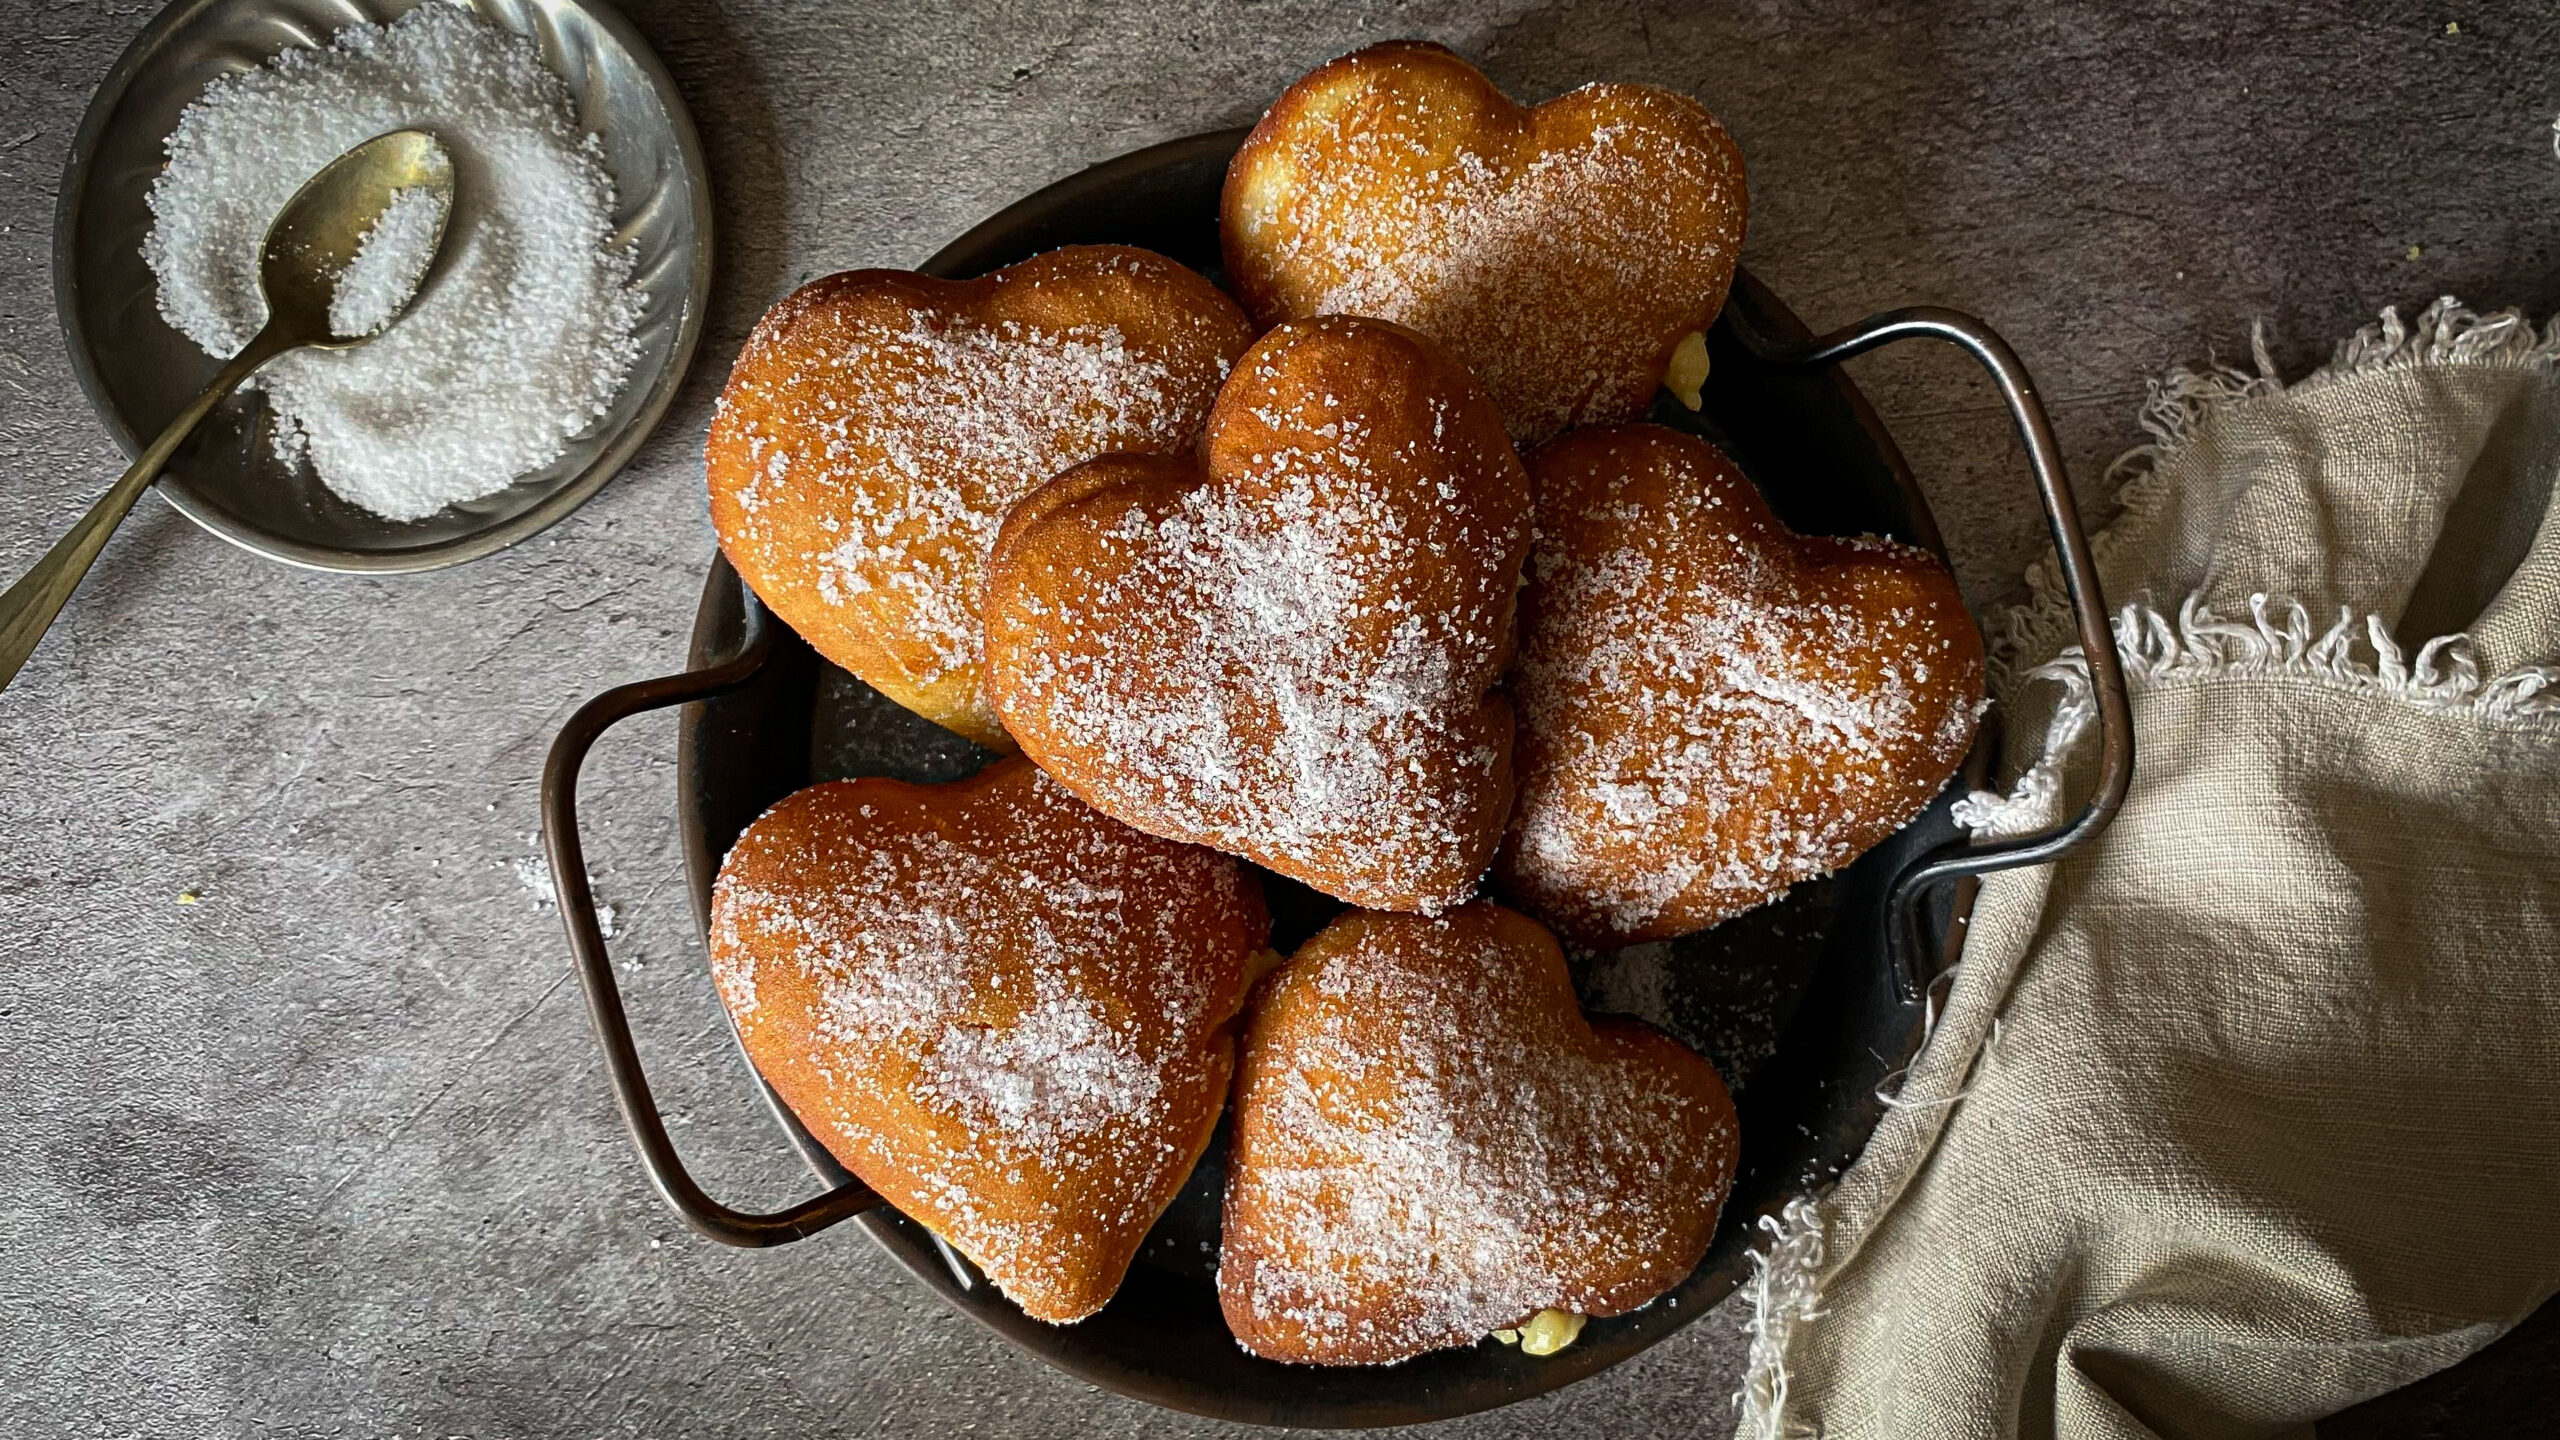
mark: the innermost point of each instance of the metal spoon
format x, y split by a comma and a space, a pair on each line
313, 241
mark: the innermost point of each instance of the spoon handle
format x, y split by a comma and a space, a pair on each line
27, 610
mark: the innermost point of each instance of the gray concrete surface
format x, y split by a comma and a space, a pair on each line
328, 1153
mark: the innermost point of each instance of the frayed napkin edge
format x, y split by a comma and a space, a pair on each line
2180, 403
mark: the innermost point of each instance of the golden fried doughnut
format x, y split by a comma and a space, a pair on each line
879, 423
1432, 1143
1713, 708
1287, 646
1560, 252
1008, 1014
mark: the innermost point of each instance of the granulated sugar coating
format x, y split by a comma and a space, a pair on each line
1560, 253
519, 344
1007, 1013
1712, 708
878, 425
1431, 1143
1289, 653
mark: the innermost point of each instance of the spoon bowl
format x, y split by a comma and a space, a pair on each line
316, 238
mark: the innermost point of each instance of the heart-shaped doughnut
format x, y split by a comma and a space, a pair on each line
1432, 1143
1562, 253
1286, 647
1712, 707
1008, 1014
879, 424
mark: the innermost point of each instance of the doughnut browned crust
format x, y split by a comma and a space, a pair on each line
1010, 1015
1432, 1143
1285, 647
1560, 252
879, 424
1712, 707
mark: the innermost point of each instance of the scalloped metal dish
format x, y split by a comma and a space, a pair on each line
138, 371
1795, 1002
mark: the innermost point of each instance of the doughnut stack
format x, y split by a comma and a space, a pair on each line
1362, 571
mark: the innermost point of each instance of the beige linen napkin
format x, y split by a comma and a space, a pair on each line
2251, 1110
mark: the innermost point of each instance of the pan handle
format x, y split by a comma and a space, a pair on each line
560, 844
2079, 581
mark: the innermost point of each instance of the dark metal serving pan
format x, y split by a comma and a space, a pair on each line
1808, 1005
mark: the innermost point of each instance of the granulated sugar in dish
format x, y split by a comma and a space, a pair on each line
520, 342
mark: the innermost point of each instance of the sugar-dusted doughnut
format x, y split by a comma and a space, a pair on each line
1431, 1143
879, 423
1287, 646
1561, 252
1010, 1015
1713, 708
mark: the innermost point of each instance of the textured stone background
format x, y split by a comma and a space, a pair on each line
328, 1153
